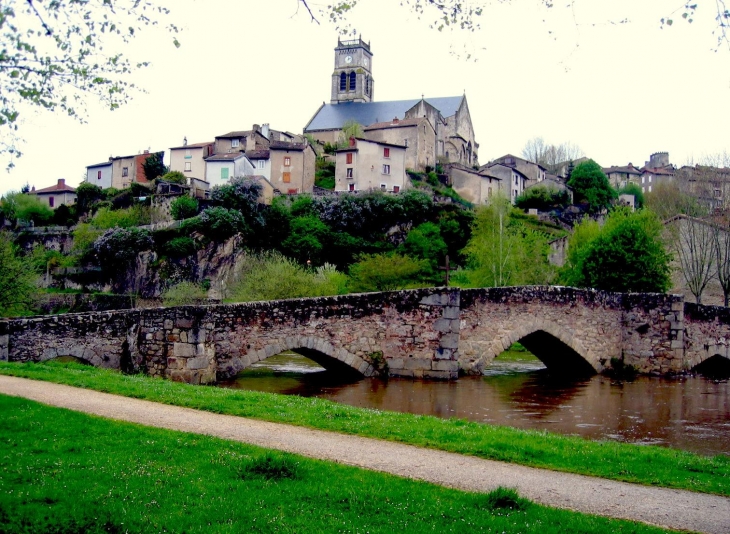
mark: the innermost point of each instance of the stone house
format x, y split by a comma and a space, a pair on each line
533, 171
220, 168
618, 177
477, 187
367, 165
352, 99
56, 195
292, 167
512, 181
709, 185
651, 177
418, 135
189, 159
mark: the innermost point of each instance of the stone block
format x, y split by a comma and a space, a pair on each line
167, 325
431, 300
201, 362
184, 322
449, 341
396, 363
442, 325
183, 350
363, 367
441, 375
445, 365
452, 312
405, 373
444, 354
417, 363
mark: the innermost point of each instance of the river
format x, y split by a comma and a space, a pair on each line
690, 412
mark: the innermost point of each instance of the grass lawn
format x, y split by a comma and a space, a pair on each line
67, 472
619, 461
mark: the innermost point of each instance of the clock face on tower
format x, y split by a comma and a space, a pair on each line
348, 59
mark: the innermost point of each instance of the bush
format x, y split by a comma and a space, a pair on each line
106, 218
384, 272
16, 278
175, 177
220, 224
86, 195
543, 198
21, 207
179, 247
184, 294
633, 189
119, 246
64, 215
183, 208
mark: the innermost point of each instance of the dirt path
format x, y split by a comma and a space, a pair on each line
680, 510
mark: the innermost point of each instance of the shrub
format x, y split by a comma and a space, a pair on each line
183, 208
175, 177
633, 189
220, 224
21, 207
106, 218
384, 272
184, 294
86, 195
543, 198
179, 247
119, 246
16, 278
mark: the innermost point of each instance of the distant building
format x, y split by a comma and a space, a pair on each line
533, 171
189, 159
512, 181
477, 187
619, 177
367, 165
119, 172
56, 195
418, 135
100, 174
220, 168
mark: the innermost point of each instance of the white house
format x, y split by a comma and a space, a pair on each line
366, 165
100, 174
220, 168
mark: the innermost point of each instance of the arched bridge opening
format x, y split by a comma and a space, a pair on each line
715, 367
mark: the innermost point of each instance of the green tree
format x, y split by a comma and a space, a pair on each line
633, 189
56, 54
425, 243
626, 255
667, 201
184, 294
86, 196
384, 272
17, 280
183, 207
590, 185
351, 128
21, 207
307, 239
118, 247
503, 251
220, 224
153, 166
543, 198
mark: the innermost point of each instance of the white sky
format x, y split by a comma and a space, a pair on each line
619, 91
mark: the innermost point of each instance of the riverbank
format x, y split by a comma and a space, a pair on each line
69, 472
652, 466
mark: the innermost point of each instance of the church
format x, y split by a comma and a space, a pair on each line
433, 130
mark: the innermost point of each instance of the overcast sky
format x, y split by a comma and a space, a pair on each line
618, 90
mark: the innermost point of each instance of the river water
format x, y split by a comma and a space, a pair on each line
690, 413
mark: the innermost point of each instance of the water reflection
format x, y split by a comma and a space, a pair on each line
690, 413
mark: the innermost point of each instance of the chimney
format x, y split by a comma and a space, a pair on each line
395, 120
61, 182
353, 143
146, 151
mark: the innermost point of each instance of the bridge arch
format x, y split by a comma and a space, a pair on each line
715, 363
315, 348
557, 348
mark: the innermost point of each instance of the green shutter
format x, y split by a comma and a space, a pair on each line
224, 173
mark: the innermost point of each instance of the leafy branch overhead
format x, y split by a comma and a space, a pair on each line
55, 54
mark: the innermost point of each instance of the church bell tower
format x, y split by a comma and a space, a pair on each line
352, 80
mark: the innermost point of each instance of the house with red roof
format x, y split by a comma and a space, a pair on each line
56, 195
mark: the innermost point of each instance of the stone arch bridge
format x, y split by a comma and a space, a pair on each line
429, 333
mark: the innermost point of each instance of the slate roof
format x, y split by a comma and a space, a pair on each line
285, 145
334, 116
104, 164
405, 123
258, 154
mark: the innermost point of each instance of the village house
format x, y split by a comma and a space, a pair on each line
512, 181
220, 168
292, 167
619, 177
474, 186
56, 195
533, 171
352, 100
709, 185
418, 135
366, 165
119, 172
189, 159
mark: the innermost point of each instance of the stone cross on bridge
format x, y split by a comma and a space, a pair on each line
424, 333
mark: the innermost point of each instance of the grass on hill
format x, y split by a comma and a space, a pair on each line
67, 472
647, 465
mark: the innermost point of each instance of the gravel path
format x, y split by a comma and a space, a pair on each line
675, 509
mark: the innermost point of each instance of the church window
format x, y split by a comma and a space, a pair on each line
386, 152
287, 161
353, 80
367, 85
348, 158
386, 169
286, 177
343, 82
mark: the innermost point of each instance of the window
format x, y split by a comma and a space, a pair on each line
383, 187
125, 171
188, 166
643, 179
234, 143
489, 192
51, 201
353, 81
224, 173
286, 177
348, 158
98, 175
262, 163
287, 161
367, 85
718, 193
386, 152
349, 172
351, 187
396, 189
649, 189
386, 169
187, 153
650, 178
343, 82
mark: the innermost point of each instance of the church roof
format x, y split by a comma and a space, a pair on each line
334, 116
